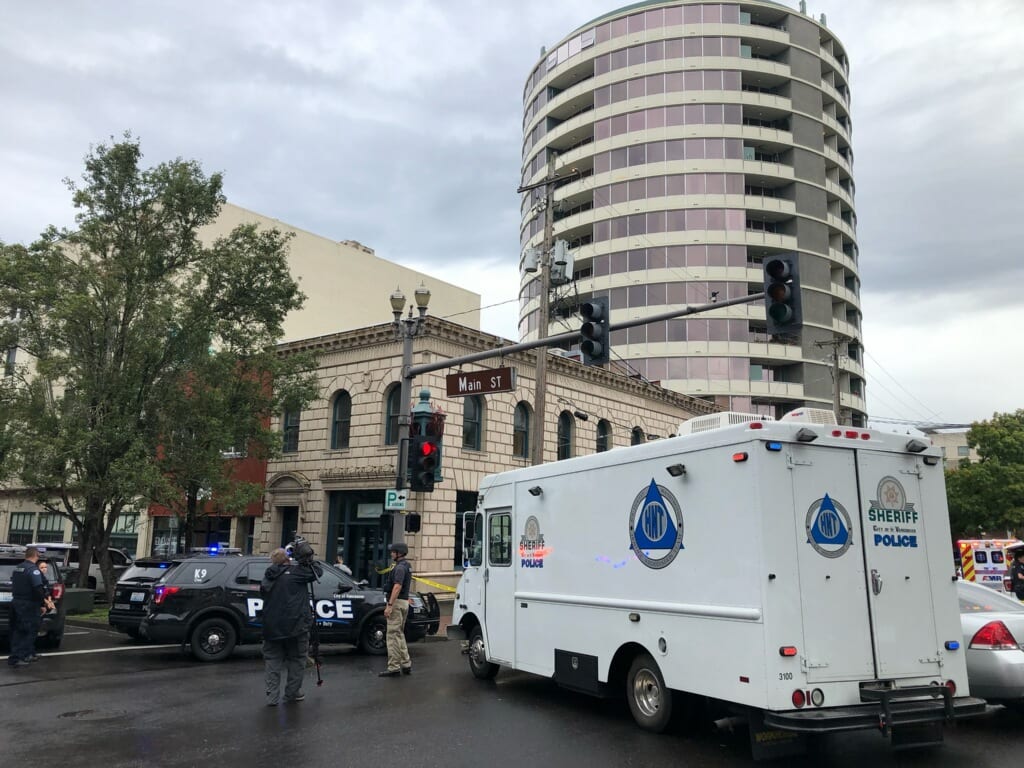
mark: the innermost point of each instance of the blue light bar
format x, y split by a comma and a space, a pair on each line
952, 645
773, 446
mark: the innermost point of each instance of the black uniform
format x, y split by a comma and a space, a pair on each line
287, 618
28, 594
1017, 578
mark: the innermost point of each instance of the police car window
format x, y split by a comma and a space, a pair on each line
334, 573
252, 573
196, 572
980, 557
6, 569
499, 538
117, 558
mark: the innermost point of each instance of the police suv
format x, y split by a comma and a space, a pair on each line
213, 604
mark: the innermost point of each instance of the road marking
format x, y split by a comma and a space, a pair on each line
108, 650
83, 632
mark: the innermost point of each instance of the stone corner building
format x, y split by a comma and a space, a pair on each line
341, 453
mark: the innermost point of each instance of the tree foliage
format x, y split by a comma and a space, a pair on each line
987, 496
119, 316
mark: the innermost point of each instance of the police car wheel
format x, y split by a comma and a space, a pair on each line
213, 639
650, 701
374, 637
481, 668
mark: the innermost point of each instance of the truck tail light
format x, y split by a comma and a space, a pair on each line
799, 699
162, 593
58, 591
952, 687
994, 636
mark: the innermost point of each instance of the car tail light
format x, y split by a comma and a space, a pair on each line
58, 591
994, 636
799, 699
162, 593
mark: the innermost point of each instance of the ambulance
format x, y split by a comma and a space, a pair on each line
794, 572
985, 561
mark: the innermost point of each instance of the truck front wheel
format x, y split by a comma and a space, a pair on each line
481, 668
649, 700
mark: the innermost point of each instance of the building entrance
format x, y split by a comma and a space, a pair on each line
360, 532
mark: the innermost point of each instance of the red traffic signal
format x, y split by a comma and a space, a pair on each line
423, 454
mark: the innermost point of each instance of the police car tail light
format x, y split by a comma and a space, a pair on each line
58, 591
162, 593
994, 636
799, 698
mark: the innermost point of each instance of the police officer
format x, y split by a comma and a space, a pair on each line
396, 612
1017, 574
27, 609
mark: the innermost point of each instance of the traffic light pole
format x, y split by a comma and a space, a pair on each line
561, 338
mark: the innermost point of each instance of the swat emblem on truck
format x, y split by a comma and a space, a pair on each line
828, 527
655, 526
893, 519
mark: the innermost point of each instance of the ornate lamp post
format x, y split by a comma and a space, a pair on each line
406, 330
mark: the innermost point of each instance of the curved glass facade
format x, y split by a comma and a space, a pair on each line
691, 141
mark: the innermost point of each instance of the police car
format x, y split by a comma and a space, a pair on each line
213, 604
132, 590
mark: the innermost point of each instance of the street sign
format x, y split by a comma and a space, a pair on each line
394, 500
481, 382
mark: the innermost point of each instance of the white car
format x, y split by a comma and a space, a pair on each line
68, 554
993, 628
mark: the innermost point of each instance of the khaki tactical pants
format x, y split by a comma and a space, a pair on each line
398, 651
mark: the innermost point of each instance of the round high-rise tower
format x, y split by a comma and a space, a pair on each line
691, 141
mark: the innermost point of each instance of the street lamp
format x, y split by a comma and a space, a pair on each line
406, 330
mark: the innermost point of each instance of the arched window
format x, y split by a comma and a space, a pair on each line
472, 422
341, 419
565, 422
521, 431
290, 428
636, 436
604, 436
392, 409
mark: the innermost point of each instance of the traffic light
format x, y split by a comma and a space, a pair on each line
594, 342
423, 455
782, 295
412, 522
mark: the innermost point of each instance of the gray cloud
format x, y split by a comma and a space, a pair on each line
399, 125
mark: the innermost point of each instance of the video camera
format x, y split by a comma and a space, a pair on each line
301, 551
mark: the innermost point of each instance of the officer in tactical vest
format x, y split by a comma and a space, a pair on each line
27, 609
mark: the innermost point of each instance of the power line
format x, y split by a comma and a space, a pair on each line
883, 370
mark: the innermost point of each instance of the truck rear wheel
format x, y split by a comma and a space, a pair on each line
481, 668
650, 701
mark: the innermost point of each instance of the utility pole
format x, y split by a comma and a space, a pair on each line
835, 343
544, 319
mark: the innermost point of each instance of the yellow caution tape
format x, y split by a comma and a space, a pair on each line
428, 582
434, 584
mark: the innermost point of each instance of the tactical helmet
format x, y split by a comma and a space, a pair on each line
400, 547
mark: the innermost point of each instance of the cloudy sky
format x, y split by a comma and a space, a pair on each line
398, 124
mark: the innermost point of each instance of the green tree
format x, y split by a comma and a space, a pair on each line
988, 495
119, 316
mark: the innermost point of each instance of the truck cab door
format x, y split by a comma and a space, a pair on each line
499, 588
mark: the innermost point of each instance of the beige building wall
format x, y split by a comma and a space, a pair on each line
954, 448
346, 284
366, 363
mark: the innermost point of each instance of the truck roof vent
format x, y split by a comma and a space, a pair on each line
717, 421
811, 416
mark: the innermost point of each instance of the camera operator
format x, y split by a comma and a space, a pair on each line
287, 619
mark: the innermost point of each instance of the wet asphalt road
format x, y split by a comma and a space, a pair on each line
105, 700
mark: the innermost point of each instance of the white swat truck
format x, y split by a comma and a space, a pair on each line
797, 572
